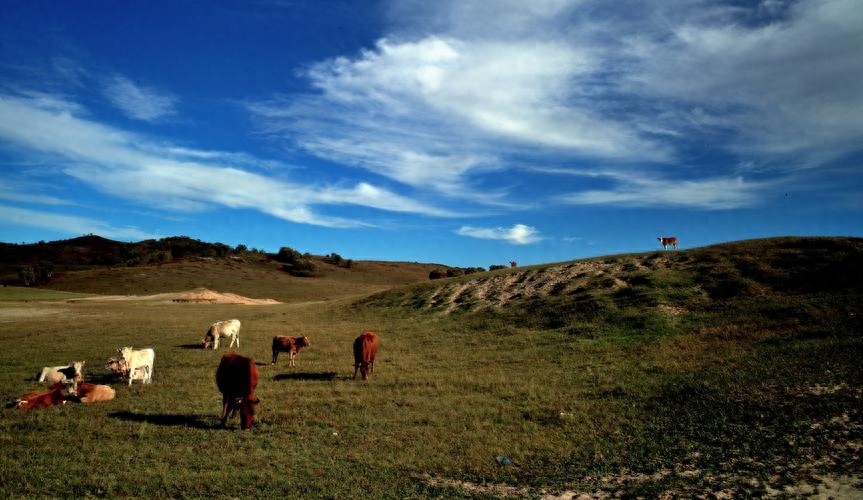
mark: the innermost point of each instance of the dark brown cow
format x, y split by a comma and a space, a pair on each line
291, 345
237, 377
513, 264
365, 350
666, 241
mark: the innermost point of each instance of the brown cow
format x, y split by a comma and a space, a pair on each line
666, 241
513, 264
237, 377
93, 393
291, 345
365, 350
39, 400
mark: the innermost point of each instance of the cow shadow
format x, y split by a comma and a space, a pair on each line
103, 378
193, 421
319, 376
191, 346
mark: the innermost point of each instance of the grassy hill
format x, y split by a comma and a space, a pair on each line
730, 370
97, 265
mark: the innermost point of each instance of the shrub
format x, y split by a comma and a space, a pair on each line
437, 274
27, 275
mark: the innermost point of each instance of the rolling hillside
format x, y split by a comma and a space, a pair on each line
677, 282
92, 264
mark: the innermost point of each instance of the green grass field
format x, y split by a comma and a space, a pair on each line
727, 370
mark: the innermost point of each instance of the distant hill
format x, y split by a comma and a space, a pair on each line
93, 264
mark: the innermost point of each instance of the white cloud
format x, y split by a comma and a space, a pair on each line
132, 167
69, 224
519, 234
721, 193
436, 111
784, 85
458, 86
139, 102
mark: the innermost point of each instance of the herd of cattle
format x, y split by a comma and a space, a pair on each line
236, 376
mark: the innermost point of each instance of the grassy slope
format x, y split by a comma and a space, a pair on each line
733, 368
251, 278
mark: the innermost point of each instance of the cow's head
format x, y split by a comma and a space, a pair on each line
125, 353
303, 342
247, 412
79, 367
208, 339
364, 370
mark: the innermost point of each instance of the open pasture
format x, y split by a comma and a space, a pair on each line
648, 389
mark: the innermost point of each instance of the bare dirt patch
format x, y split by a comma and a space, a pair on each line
199, 296
212, 297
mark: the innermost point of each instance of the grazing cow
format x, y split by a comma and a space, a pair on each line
54, 374
291, 345
229, 329
236, 378
666, 241
93, 393
39, 400
365, 350
135, 359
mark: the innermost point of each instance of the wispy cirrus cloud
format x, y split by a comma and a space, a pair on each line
139, 102
518, 234
69, 224
136, 168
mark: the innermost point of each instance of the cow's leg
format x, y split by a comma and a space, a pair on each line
131, 373
216, 343
356, 370
224, 411
293, 355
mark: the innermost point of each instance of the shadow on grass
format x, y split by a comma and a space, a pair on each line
194, 421
104, 378
191, 346
324, 376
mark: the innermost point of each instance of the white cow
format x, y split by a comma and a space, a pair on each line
54, 374
229, 328
136, 359
118, 366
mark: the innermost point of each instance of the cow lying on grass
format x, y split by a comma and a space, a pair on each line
290, 345
54, 374
37, 400
61, 392
93, 393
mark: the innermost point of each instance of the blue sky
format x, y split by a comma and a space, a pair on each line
464, 132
